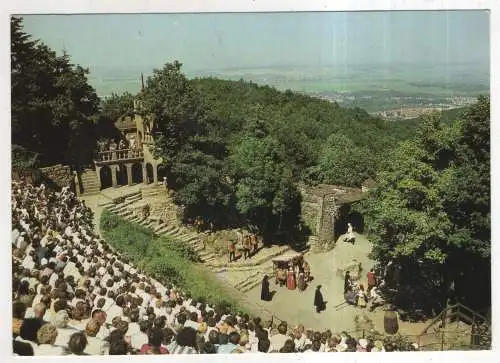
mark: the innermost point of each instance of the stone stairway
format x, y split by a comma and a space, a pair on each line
244, 275
161, 226
90, 184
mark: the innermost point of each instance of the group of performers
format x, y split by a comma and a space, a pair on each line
355, 293
247, 246
297, 275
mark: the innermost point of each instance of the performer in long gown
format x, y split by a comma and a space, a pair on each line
301, 283
307, 270
264, 293
290, 280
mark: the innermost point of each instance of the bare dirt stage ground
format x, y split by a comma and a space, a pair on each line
295, 306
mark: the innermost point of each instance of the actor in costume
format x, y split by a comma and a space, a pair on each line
301, 283
347, 282
319, 303
265, 295
290, 279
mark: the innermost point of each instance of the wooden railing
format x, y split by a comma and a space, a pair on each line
116, 155
465, 314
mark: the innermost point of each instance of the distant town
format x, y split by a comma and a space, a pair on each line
407, 107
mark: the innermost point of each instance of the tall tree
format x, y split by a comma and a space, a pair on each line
430, 213
194, 156
265, 193
53, 106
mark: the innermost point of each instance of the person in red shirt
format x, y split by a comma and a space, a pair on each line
372, 280
154, 346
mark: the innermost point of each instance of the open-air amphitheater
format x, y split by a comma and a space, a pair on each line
152, 207
131, 184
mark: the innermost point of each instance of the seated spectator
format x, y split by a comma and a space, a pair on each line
95, 346
264, 345
153, 346
22, 349
29, 329
185, 342
18, 311
288, 347
77, 343
63, 331
278, 340
46, 337
140, 338
208, 348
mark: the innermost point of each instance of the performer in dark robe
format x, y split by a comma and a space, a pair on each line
265, 293
347, 282
319, 303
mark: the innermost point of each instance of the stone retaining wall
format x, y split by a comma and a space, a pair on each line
58, 176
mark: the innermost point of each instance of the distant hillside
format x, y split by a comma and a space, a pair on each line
303, 124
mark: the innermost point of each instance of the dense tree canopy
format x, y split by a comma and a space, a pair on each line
194, 157
235, 152
301, 124
53, 105
430, 213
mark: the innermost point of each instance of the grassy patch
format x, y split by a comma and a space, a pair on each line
163, 258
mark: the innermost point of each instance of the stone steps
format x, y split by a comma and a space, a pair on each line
159, 227
252, 280
166, 229
133, 198
89, 182
124, 212
253, 261
105, 204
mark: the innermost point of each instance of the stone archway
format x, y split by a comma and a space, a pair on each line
105, 177
137, 173
149, 173
341, 221
121, 175
357, 220
161, 172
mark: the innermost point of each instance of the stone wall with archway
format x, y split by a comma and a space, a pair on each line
105, 177
137, 177
161, 172
149, 173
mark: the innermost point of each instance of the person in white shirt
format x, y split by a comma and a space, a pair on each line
278, 340
192, 322
299, 338
95, 346
63, 331
46, 337
138, 339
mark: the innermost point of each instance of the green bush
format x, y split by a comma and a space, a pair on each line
164, 259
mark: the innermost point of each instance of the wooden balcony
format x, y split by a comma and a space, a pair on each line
118, 156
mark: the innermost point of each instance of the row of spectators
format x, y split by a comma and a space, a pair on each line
74, 295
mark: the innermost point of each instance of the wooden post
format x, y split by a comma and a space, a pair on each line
442, 340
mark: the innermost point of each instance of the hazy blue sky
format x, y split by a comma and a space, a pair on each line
215, 41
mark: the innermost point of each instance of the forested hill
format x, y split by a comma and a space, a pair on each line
324, 142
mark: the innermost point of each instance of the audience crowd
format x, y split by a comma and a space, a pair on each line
74, 295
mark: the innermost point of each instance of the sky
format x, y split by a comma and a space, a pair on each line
251, 40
